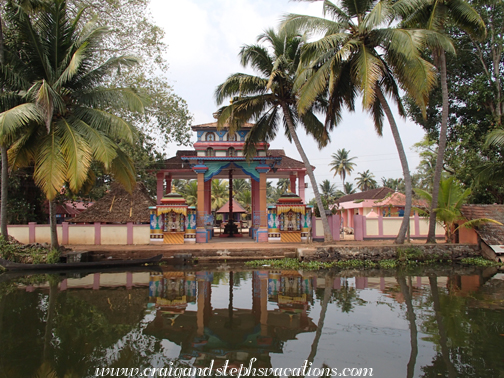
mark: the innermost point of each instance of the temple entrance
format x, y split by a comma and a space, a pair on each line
218, 154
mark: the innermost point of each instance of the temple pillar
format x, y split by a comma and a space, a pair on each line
262, 232
159, 191
301, 186
208, 197
293, 184
200, 312
264, 304
201, 233
208, 204
255, 204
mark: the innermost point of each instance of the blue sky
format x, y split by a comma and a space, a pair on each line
204, 38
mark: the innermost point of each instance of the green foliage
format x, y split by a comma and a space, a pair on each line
53, 256
476, 93
21, 253
342, 164
366, 181
479, 261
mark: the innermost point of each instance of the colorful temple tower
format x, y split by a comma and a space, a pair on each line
218, 154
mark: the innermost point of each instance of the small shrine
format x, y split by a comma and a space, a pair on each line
289, 220
172, 221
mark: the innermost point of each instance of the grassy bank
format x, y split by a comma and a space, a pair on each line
405, 258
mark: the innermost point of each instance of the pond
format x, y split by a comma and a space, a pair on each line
433, 323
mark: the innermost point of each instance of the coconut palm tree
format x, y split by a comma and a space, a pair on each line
436, 15
450, 200
65, 124
282, 185
8, 92
366, 181
328, 191
220, 193
269, 99
361, 53
342, 164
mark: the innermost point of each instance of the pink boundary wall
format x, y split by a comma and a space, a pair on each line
360, 231
334, 224
28, 233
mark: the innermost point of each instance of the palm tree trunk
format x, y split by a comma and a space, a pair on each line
52, 221
3, 191
404, 164
5, 163
410, 313
431, 236
443, 340
309, 171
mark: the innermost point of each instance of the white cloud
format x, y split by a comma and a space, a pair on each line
204, 39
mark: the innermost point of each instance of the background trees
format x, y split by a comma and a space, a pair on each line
360, 53
342, 163
271, 101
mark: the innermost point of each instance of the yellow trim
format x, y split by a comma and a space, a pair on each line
286, 208
166, 210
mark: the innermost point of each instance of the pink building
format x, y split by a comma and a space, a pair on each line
371, 204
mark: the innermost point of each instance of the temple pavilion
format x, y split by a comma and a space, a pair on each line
218, 154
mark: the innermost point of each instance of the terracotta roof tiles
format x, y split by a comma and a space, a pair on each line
490, 233
376, 194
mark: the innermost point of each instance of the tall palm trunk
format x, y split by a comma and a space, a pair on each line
4, 192
52, 222
5, 163
309, 171
441, 58
320, 324
404, 164
410, 313
443, 340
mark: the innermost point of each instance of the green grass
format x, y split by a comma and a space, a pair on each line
406, 258
480, 261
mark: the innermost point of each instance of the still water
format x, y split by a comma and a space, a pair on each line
431, 324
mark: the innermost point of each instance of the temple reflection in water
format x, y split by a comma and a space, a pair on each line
232, 334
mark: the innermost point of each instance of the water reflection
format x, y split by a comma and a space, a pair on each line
437, 324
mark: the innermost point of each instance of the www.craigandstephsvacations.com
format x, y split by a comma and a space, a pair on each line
306, 370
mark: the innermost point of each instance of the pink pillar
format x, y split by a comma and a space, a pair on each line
337, 283
255, 203
31, 231
64, 236
208, 197
293, 183
358, 227
129, 280
64, 285
417, 224
380, 222
159, 191
97, 233
96, 281
382, 283
129, 233
335, 226
301, 186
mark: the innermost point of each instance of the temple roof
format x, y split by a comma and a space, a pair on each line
213, 126
119, 206
286, 163
237, 208
372, 194
490, 233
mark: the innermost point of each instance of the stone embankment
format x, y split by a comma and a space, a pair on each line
384, 252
